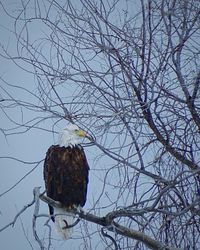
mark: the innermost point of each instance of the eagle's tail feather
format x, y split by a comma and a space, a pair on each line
63, 219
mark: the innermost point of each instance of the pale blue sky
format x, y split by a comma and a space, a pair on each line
30, 147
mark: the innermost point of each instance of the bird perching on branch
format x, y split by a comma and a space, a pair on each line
66, 178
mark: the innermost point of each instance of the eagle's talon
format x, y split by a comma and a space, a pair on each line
66, 225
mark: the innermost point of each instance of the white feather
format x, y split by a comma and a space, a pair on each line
68, 137
63, 219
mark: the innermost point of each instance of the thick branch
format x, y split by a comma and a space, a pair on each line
147, 114
108, 222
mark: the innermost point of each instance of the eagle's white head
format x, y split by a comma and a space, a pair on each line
71, 135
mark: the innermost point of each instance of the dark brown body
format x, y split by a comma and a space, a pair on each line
66, 175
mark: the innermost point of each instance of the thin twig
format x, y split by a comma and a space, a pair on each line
12, 223
20, 180
106, 235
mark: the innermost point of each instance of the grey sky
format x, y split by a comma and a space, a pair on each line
125, 86
29, 146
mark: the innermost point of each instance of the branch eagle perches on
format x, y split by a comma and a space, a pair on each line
109, 223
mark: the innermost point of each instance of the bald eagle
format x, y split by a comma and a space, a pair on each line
66, 178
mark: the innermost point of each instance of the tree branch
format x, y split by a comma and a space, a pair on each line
108, 222
12, 223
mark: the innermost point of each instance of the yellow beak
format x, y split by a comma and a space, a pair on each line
81, 133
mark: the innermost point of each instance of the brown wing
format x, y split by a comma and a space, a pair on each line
66, 175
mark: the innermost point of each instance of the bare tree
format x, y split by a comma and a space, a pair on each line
128, 73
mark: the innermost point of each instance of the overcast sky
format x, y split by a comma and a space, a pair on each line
29, 147
26, 147
67, 70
